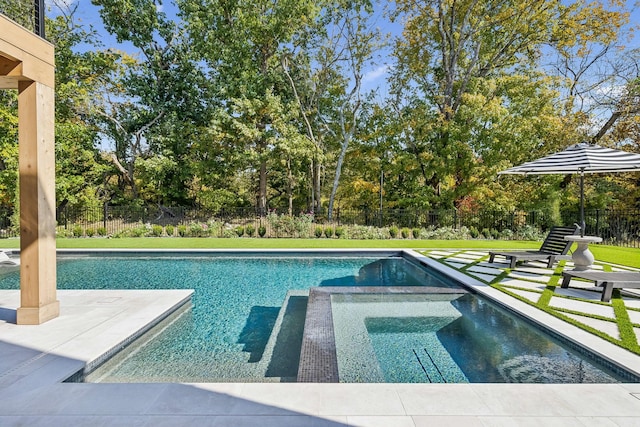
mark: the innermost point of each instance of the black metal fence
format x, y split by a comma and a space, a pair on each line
28, 13
617, 227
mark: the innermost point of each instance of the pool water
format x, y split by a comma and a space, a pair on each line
247, 320
236, 303
447, 339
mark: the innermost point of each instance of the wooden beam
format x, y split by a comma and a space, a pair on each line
10, 68
35, 53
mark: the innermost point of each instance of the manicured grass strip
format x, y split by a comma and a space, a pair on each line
627, 334
549, 291
623, 256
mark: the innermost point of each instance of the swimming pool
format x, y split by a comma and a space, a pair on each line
247, 318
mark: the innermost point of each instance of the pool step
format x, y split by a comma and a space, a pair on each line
282, 352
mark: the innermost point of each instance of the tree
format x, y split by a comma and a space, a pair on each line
326, 81
81, 75
164, 85
457, 55
240, 42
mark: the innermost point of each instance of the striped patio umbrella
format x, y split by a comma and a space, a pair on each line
580, 158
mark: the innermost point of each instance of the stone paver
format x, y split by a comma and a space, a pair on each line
609, 328
523, 284
529, 276
531, 296
584, 307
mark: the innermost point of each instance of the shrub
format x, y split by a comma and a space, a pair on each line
367, 232
182, 230
473, 231
529, 232
239, 230
328, 232
139, 231
494, 233
393, 231
339, 232
318, 232
262, 230
102, 231
198, 230
486, 233
89, 232
250, 230
416, 233
156, 230
77, 231
506, 234
405, 232
169, 229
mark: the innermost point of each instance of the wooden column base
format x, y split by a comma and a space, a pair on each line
37, 315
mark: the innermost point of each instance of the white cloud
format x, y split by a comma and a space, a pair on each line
375, 74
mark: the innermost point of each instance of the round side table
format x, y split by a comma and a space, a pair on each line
582, 256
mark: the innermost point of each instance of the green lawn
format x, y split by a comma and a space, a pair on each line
612, 254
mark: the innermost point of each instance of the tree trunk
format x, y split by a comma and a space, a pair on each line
262, 189
336, 178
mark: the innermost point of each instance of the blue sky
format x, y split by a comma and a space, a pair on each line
88, 14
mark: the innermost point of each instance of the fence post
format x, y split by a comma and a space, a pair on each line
455, 219
104, 216
597, 222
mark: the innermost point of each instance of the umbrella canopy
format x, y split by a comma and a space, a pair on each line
581, 159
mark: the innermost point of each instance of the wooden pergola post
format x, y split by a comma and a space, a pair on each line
27, 64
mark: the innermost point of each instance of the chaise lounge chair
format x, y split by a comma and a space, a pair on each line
608, 280
553, 248
4, 259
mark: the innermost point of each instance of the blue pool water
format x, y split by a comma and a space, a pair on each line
447, 339
237, 303
235, 306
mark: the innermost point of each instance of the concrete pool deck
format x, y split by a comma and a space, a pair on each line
35, 359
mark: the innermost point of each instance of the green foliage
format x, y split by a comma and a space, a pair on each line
169, 229
405, 232
415, 233
182, 230
328, 232
157, 230
473, 232
102, 231
89, 232
240, 231
318, 231
262, 231
250, 230
198, 230
77, 231
393, 231
339, 232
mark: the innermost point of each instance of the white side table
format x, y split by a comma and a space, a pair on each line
582, 256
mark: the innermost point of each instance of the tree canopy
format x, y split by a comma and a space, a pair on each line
265, 104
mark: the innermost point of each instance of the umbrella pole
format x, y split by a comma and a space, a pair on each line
582, 223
